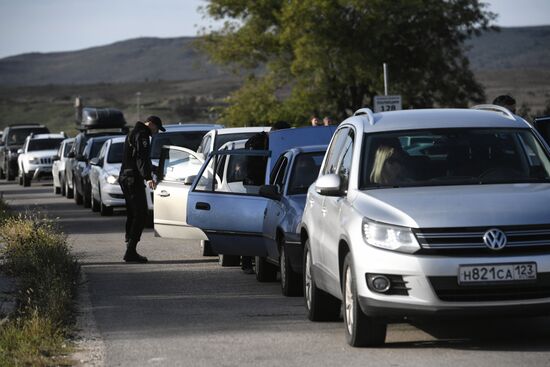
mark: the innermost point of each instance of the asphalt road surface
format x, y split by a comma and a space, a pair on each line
183, 309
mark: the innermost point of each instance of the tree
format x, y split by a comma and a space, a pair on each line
326, 56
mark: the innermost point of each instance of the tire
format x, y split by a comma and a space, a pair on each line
291, 282
77, 196
87, 197
95, 205
2, 174
68, 191
56, 190
63, 187
26, 180
104, 210
320, 305
207, 249
20, 180
361, 330
229, 260
265, 272
10, 175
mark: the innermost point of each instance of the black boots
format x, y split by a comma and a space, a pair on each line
131, 254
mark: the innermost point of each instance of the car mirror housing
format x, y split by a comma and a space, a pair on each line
189, 180
81, 158
328, 185
55, 158
270, 192
94, 161
19, 151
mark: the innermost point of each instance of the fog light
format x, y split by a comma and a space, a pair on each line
379, 283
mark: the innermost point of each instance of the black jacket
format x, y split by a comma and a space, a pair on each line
136, 161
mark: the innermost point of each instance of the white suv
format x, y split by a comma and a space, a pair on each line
427, 213
35, 159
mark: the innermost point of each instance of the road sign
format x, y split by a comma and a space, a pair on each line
387, 103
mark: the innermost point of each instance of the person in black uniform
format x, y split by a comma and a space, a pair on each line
135, 169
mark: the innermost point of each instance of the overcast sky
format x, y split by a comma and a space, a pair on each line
64, 25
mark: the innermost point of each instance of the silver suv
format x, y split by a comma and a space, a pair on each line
428, 213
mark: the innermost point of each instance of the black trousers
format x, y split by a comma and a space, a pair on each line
136, 206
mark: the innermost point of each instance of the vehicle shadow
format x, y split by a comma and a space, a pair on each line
152, 262
528, 334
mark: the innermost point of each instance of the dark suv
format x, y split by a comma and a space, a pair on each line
13, 139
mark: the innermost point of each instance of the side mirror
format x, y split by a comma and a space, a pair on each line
71, 154
81, 158
189, 180
55, 158
328, 185
19, 151
270, 192
94, 161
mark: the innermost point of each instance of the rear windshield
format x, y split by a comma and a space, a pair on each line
453, 157
44, 144
115, 153
18, 136
184, 139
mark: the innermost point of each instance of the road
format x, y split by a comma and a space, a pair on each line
183, 309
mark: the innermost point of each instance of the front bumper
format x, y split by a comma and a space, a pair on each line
37, 171
112, 195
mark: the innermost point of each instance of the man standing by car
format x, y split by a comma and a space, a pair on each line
135, 169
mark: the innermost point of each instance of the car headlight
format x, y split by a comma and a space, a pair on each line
34, 160
111, 179
389, 237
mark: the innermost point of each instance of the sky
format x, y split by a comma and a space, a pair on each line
66, 25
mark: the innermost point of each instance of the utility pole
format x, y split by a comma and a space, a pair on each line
385, 79
138, 95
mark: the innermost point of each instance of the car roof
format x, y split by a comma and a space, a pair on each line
234, 144
308, 149
118, 139
68, 140
99, 138
191, 127
435, 118
46, 136
237, 130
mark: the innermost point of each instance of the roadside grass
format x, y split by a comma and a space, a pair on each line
36, 254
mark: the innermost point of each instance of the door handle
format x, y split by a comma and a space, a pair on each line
164, 193
202, 206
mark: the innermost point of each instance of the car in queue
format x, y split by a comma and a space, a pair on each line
58, 166
13, 138
185, 135
214, 139
223, 203
293, 173
81, 171
106, 192
95, 122
426, 213
35, 158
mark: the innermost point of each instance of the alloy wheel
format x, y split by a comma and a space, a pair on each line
348, 299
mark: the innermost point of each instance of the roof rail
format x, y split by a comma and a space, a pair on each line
365, 111
25, 124
495, 108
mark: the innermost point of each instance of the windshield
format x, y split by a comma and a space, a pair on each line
115, 153
68, 148
221, 139
452, 157
185, 139
18, 136
96, 147
44, 144
305, 171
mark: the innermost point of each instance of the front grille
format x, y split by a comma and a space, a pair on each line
448, 289
46, 160
469, 241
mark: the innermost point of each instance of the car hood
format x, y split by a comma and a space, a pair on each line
42, 153
112, 169
457, 206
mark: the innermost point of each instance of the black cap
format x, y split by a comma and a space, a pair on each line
157, 121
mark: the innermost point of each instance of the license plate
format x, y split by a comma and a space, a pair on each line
490, 273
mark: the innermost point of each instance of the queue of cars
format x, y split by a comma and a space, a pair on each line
387, 217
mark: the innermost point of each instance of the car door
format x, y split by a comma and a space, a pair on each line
176, 164
275, 209
333, 204
225, 203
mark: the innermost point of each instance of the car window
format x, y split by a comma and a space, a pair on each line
276, 169
238, 175
177, 165
279, 178
305, 171
101, 154
185, 139
338, 141
43, 144
67, 149
344, 165
453, 157
221, 139
205, 143
115, 153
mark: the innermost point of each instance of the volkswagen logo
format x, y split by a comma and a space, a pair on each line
495, 239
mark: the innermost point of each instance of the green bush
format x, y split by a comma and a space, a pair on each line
36, 253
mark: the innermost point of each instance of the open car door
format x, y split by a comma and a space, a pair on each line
177, 168
542, 124
224, 202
